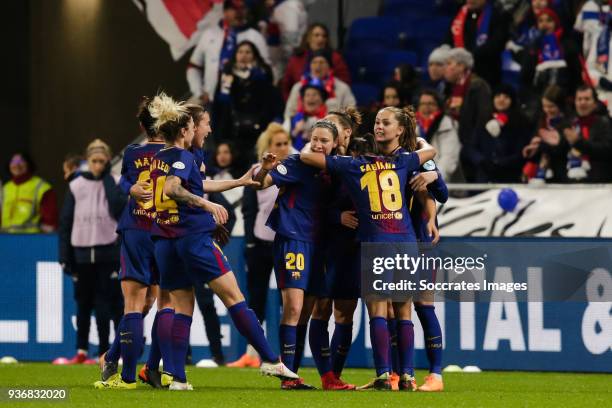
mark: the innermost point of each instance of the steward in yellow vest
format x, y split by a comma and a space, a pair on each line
28, 202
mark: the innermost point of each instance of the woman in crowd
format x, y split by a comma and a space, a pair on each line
311, 109
545, 155
339, 94
89, 246
259, 254
440, 130
28, 202
496, 150
316, 38
246, 100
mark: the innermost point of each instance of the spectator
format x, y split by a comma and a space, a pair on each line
436, 65
552, 58
28, 202
88, 246
390, 96
469, 100
496, 152
315, 39
545, 153
339, 94
590, 141
408, 81
216, 47
283, 24
246, 100
257, 205
595, 23
225, 168
441, 132
311, 109
524, 28
482, 29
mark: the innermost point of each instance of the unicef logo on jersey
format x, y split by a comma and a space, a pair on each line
178, 165
398, 215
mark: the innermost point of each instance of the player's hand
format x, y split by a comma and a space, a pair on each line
218, 211
142, 191
432, 231
247, 179
422, 180
221, 235
268, 161
348, 219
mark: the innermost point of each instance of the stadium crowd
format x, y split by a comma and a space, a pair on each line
267, 77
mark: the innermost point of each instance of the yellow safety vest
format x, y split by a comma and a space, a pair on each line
21, 206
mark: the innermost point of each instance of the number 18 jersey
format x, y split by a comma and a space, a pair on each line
377, 186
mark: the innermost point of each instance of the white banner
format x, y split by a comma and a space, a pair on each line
540, 212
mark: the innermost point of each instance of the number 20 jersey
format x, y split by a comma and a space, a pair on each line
377, 186
136, 167
172, 219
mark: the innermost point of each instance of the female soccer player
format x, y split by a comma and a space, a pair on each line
427, 179
185, 251
297, 221
336, 281
139, 277
383, 217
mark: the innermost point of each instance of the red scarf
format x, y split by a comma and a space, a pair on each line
458, 26
425, 122
501, 117
457, 95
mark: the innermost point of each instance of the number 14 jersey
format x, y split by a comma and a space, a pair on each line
172, 219
377, 186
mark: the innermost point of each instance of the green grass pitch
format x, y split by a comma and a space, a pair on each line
229, 388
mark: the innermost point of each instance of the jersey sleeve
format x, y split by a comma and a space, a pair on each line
337, 164
411, 161
290, 171
183, 166
124, 183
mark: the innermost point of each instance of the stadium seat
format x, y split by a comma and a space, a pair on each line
373, 33
366, 94
408, 7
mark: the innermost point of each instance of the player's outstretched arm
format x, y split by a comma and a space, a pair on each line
426, 153
219, 186
174, 190
314, 159
268, 162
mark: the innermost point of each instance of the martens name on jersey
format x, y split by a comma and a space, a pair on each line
161, 165
142, 162
376, 166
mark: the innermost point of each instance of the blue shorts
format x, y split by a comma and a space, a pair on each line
191, 260
292, 262
137, 259
338, 275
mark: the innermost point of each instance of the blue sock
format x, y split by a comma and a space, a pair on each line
180, 343
165, 321
433, 336
393, 349
130, 330
247, 324
154, 352
114, 352
286, 338
319, 345
300, 342
340, 345
405, 344
379, 337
